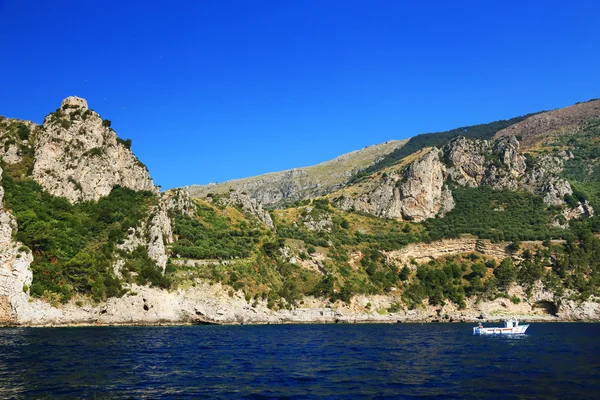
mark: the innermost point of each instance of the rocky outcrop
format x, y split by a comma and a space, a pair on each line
285, 187
473, 163
316, 220
572, 310
156, 232
15, 140
178, 201
248, 205
424, 252
501, 165
15, 260
414, 193
78, 156
418, 190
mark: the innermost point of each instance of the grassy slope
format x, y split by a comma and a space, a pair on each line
327, 174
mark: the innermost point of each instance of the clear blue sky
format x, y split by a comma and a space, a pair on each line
215, 90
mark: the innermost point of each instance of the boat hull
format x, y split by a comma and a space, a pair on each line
515, 330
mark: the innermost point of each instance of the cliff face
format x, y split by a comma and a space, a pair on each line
78, 156
156, 233
419, 190
15, 274
415, 192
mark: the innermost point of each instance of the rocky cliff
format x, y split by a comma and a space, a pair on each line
281, 188
272, 275
418, 188
15, 274
156, 233
80, 157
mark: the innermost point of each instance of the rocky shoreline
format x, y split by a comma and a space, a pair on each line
214, 304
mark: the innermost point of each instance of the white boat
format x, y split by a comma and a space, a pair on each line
511, 327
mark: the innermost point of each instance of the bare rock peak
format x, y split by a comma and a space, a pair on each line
74, 102
78, 156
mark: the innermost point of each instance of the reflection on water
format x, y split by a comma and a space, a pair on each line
336, 361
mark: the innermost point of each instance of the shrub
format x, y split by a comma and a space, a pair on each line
126, 143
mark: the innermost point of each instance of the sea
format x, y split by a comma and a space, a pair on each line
335, 361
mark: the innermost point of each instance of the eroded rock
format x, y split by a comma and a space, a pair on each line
78, 156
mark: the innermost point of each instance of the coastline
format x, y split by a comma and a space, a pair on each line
217, 304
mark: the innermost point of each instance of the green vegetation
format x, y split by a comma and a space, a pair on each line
583, 171
495, 214
126, 143
315, 249
209, 236
74, 245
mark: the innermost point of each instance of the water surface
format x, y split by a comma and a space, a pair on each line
300, 361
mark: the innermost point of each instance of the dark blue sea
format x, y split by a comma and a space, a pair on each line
300, 361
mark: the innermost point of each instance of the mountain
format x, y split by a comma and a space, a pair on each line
280, 188
498, 221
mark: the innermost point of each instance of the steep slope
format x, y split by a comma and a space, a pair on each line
465, 228
15, 261
418, 189
545, 127
85, 205
439, 139
285, 187
78, 155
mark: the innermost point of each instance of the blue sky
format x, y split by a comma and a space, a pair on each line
215, 90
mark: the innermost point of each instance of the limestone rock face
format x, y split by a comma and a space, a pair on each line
419, 191
473, 163
78, 156
15, 274
416, 193
157, 232
249, 205
422, 192
500, 165
317, 221
178, 201
588, 310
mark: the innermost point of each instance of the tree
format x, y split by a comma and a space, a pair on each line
506, 273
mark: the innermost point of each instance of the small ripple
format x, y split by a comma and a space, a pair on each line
325, 361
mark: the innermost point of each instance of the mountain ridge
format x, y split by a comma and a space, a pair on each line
284, 187
449, 232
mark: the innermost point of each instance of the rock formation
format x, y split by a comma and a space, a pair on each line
157, 232
415, 192
418, 191
78, 155
15, 139
282, 188
248, 205
15, 274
